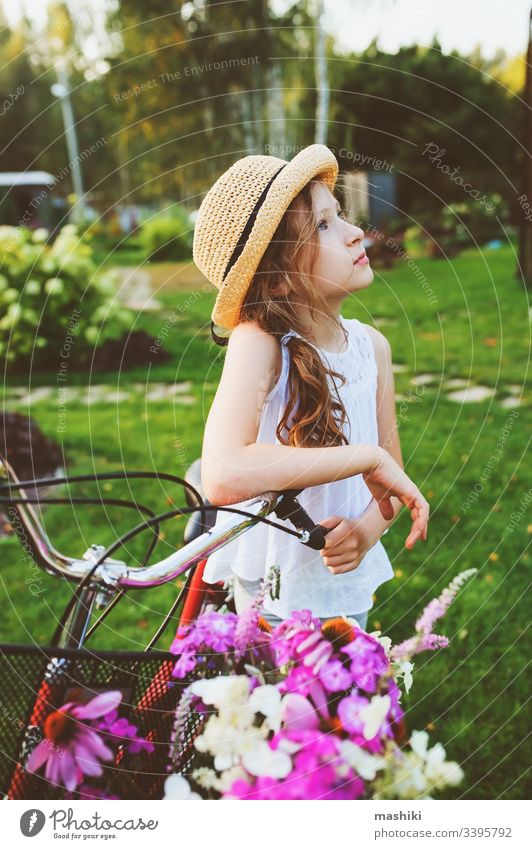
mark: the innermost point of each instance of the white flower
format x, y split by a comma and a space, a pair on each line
231, 736
404, 670
385, 642
177, 787
260, 759
419, 742
439, 773
222, 691
228, 778
362, 762
374, 714
267, 700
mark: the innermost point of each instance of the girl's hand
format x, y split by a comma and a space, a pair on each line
348, 542
386, 479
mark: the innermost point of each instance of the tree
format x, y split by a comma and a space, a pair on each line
525, 229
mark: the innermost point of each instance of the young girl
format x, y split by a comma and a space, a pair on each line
306, 398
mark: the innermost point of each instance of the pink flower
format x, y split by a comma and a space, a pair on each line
436, 608
349, 713
334, 676
71, 748
417, 644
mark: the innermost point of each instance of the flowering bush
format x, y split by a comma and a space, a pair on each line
303, 711
53, 303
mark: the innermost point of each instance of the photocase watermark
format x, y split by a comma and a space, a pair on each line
403, 255
12, 98
35, 580
183, 73
435, 154
61, 376
492, 462
517, 515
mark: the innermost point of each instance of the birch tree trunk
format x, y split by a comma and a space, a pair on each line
322, 79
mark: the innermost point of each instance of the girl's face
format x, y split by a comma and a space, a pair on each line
341, 265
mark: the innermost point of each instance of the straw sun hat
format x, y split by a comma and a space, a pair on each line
240, 214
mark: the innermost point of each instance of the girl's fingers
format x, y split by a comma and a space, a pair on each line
345, 558
345, 567
420, 515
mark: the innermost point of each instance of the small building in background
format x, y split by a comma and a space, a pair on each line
371, 198
26, 200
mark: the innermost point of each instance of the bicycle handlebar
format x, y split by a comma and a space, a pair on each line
113, 574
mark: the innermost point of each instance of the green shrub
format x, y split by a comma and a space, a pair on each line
456, 226
167, 236
51, 292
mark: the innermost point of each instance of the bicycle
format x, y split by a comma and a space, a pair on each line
39, 679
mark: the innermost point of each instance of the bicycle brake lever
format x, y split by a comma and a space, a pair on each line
316, 537
313, 535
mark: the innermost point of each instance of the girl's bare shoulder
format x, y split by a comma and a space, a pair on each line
381, 345
255, 348
380, 342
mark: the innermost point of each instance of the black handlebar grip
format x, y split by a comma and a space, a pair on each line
317, 536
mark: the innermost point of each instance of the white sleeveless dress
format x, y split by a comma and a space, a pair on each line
305, 580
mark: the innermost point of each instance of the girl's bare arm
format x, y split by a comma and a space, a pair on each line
386, 414
234, 466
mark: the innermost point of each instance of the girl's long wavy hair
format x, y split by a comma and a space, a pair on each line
313, 416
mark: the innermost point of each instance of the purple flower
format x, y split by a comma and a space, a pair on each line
71, 748
417, 644
335, 677
185, 664
436, 608
217, 630
124, 733
349, 713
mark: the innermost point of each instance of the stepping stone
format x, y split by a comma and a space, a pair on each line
423, 379
385, 322
159, 392
36, 395
135, 291
95, 393
70, 393
185, 399
399, 367
510, 403
186, 386
472, 394
456, 383
115, 397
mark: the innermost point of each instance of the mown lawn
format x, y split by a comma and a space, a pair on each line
473, 324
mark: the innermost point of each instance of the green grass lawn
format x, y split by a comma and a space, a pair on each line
474, 326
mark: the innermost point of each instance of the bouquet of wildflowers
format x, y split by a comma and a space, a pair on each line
303, 711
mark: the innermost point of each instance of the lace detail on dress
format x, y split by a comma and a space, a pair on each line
357, 363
